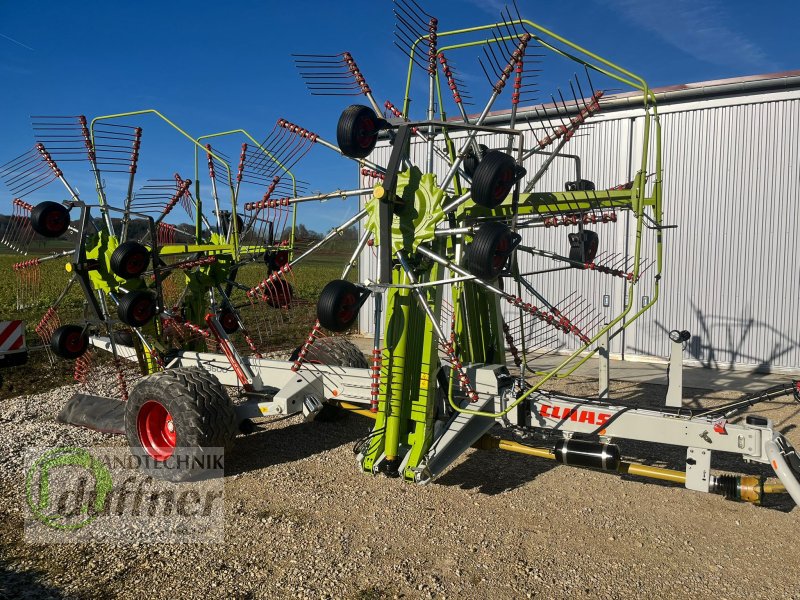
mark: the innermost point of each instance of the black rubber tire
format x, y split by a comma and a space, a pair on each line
202, 414
239, 224
490, 249
494, 179
276, 260
583, 246
579, 185
136, 308
357, 131
279, 293
69, 341
229, 322
123, 338
50, 219
335, 352
471, 161
338, 305
130, 260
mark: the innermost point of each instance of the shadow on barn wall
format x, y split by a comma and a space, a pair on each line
724, 342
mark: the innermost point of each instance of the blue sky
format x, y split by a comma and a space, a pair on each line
228, 65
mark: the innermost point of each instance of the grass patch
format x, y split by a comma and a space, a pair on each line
271, 328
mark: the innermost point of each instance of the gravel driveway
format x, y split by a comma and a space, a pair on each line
301, 522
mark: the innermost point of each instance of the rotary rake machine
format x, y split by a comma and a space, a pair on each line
127, 256
467, 223
153, 289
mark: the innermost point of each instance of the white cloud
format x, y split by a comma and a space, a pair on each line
698, 27
493, 7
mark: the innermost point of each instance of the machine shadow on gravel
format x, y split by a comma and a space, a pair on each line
510, 471
292, 442
25, 584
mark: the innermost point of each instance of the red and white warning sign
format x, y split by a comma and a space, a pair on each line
12, 337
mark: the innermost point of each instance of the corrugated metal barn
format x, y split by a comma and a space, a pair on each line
731, 162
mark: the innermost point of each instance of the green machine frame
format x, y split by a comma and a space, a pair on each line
414, 344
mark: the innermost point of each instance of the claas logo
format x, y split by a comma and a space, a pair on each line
579, 415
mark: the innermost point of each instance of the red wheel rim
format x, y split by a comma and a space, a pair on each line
54, 221
501, 252
156, 430
281, 258
142, 310
135, 263
365, 132
74, 342
347, 309
229, 322
502, 185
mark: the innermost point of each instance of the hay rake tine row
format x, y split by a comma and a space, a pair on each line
19, 234
70, 137
327, 75
513, 300
258, 167
296, 129
27, 173
496, 91
213, 178
310, 251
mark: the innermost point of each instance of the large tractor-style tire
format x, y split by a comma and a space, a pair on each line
185, 408
50, 219
336, 352
357, 131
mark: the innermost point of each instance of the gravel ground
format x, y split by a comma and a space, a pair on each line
301, 522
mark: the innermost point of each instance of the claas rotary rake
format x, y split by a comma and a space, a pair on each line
126, 256
487, 243
161, 271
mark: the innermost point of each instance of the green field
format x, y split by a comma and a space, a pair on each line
271, 327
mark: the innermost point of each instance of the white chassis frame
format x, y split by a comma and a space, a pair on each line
304, 391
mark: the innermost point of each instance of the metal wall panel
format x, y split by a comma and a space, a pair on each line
732, 183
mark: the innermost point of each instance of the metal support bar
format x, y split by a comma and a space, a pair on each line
604, 368
675, 375
386, 208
